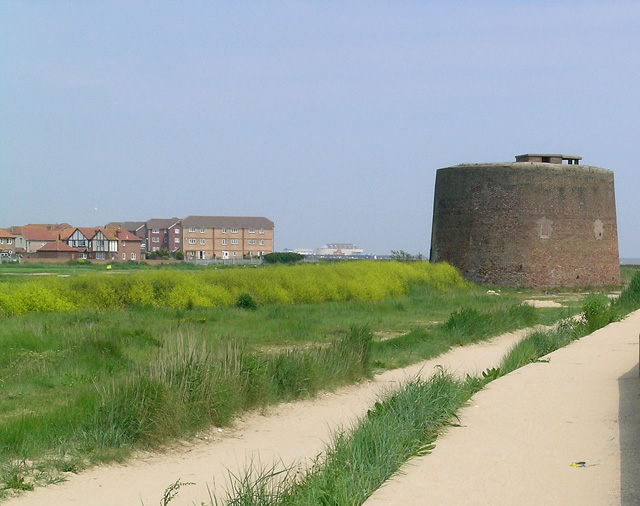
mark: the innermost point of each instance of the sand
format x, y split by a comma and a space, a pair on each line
516, 444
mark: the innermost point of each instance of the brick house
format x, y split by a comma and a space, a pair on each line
164, 233
57, 250
103, 245
114, 244
138, 228
7, 243
226, 237
99, 243
129, 245
78, 238
29, 239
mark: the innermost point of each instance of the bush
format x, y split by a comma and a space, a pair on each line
282, 258
598, 312
245, 301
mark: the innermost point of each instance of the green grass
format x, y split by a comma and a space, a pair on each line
400, 426
85, 386
627, 272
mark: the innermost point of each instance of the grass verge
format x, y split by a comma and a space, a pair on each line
401, 425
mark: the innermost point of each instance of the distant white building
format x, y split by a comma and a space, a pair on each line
344, 249
305, 252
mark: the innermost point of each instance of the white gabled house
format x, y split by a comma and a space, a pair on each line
104, 245
78, 238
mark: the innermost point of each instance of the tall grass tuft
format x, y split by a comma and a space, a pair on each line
597, 312
189, 386
402, 424
630, 297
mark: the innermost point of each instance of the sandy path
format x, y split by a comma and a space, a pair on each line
515, 446
291, 432
520, 435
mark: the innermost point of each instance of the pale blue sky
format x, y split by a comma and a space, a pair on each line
330, 118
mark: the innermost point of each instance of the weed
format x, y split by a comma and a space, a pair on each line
598, 312
172, 490
245, 301
17, 482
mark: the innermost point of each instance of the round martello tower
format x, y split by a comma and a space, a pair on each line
536, 222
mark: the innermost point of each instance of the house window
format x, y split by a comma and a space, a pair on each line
100, 244
176, 230
224, 242
83, 256
234, 230
9, 241
100, 255
133, 256
192, 241
155, 248
252, 241
224, 230
1, 241
192, 253
234, 241
252, 230
261, 242
234, 253
176, 240
203, 241
192, 229
202, 230
156, 239
262, 230
123, 243
155, 231
124, 256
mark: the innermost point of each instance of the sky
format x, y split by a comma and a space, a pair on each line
329, 118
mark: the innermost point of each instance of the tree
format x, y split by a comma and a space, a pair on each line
403, 256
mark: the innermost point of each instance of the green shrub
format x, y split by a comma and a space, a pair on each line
245, 301
282, 258
598, 312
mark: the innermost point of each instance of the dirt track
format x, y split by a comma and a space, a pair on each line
517, 440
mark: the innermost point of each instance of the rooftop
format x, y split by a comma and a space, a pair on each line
549, 158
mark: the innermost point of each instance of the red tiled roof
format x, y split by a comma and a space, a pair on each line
52, 227
6, 235
125, 235
64, 235
109, 233
57, 246
37, 234
88, 232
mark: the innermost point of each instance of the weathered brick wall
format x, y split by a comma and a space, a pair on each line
527, 224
